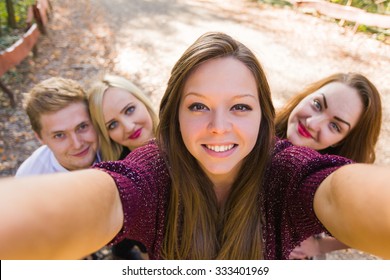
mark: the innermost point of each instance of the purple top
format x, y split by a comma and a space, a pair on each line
289, 185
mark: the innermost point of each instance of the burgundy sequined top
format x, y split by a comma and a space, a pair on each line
290, 182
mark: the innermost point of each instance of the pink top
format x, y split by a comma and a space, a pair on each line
290, 182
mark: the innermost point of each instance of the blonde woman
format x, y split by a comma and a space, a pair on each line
123, 116
125, 120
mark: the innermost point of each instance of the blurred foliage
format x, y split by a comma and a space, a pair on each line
371, 6
10, 35
279, 3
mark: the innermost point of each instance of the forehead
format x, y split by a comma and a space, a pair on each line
65, 119
337, 91
222, 76
117, 98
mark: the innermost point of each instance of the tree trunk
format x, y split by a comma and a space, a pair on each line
11, 14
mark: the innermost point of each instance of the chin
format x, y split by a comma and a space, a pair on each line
218, 171
294, 140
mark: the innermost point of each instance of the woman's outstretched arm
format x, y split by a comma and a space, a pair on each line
353, 203
58, 216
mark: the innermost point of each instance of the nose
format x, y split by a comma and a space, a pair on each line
315, 122
76, 141
219, 123
128, 125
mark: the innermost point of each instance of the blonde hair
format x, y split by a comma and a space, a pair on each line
359, 144
111, 150
50, 96
196, 228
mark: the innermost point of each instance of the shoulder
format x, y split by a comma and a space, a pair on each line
291, 181
294, 169
41, 161
42, 151
287, 156
143, 181
295, 173
145, 161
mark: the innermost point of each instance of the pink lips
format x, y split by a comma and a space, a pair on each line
136, 134
82, 153
303, 131
220, 154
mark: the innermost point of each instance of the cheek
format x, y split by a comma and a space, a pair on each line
148, 120
189, 128
250, 130
295, 114
328, 139
115, 135
292, 119
142, 114
61, 149
304, 107
336, 139
185, 130
91, 135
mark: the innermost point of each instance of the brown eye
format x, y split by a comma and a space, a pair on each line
241, 107
197, 107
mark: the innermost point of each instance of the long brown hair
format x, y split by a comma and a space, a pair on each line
195, 227
359, 144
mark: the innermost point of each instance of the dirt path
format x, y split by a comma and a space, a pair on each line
142, 40
295, 49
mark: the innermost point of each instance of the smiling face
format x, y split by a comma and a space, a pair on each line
127, 119
70, 135
220, 116
325, 117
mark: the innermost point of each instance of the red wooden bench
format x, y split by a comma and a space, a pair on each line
13, 55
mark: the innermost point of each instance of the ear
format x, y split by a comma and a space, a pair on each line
39, 138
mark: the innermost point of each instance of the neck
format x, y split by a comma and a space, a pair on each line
223, 183
222, 191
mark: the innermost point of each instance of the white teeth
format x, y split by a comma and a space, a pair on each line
220, 149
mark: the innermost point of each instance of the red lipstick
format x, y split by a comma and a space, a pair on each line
303, 131
136, 134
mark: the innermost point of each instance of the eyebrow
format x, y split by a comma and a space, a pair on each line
343, 121
325, 103
125, 107
109, 122
234, 97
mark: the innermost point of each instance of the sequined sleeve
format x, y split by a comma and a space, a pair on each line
290, 185
142, 180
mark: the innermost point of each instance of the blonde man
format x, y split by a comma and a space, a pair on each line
58, 113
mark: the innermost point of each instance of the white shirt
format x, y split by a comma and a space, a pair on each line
42, 161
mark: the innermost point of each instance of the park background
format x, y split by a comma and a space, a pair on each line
142, 39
